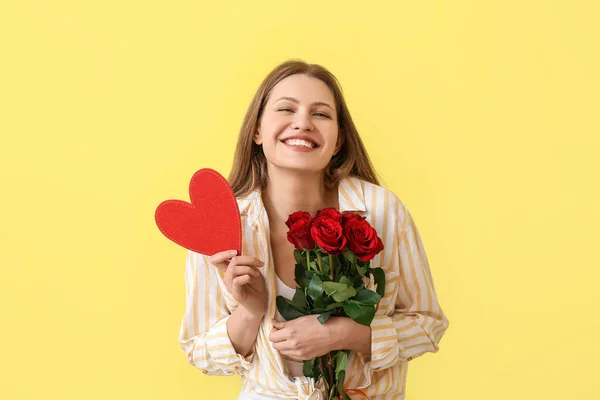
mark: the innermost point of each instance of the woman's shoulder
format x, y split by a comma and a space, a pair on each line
378, 197
245, 201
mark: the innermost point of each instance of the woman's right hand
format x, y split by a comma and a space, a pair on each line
243, 280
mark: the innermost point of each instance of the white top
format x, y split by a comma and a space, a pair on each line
408, 322
295, 367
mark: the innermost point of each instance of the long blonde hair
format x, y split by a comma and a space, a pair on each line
249, 169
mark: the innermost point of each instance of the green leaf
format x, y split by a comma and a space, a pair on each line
302, 276
307, 368
358, 282
360, 313
350, 256
332, 287
361, 270
340, 385
287, 309
341, 359
333, 306
345, 281
299, 299
304, 311
314, 287
339, 291
379, 276
326, 269
367, 297
344, 295
325, 316
320, 302
300, 258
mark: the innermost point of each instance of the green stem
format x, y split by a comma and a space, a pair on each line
307, 259
329, 367
331, 268
322, 368
319, 261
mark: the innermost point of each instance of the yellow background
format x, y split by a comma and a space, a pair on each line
482, 116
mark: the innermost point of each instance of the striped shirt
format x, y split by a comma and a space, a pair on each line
408, 322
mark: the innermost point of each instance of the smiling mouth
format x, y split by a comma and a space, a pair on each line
301, 142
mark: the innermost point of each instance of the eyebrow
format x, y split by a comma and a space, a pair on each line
295, 100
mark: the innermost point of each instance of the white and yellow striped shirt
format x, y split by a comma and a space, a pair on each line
408, 323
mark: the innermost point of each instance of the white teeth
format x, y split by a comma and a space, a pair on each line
300, 142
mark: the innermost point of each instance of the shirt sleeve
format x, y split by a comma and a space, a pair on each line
418, 322
203, 333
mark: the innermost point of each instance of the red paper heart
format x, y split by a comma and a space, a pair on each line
211, 223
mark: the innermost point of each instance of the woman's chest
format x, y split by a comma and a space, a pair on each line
283, 259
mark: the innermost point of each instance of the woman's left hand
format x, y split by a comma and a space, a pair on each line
303, 338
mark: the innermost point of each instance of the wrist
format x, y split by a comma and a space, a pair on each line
339, 331
350, 335
250, 317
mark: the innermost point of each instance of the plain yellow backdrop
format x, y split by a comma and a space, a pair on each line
482, 116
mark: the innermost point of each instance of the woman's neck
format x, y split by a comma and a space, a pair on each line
289, 191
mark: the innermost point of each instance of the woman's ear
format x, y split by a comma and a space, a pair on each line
257, 138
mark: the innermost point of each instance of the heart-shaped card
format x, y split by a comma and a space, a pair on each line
210, 223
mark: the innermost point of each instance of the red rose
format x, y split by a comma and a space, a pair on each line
348, 216
327, 231
300, 223
362, 238
330, 213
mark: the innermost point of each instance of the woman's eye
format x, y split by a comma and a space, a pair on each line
319, 114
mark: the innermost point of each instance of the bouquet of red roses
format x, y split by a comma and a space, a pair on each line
333, 255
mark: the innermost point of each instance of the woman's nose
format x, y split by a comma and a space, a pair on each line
302, 121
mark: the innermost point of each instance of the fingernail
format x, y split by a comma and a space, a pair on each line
232, 253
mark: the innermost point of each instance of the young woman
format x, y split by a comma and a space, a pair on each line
298, 149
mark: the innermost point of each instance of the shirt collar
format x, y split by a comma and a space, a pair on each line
350, 198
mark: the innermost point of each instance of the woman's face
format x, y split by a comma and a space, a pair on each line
298, 129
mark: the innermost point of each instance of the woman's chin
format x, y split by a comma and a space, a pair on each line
298, 168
